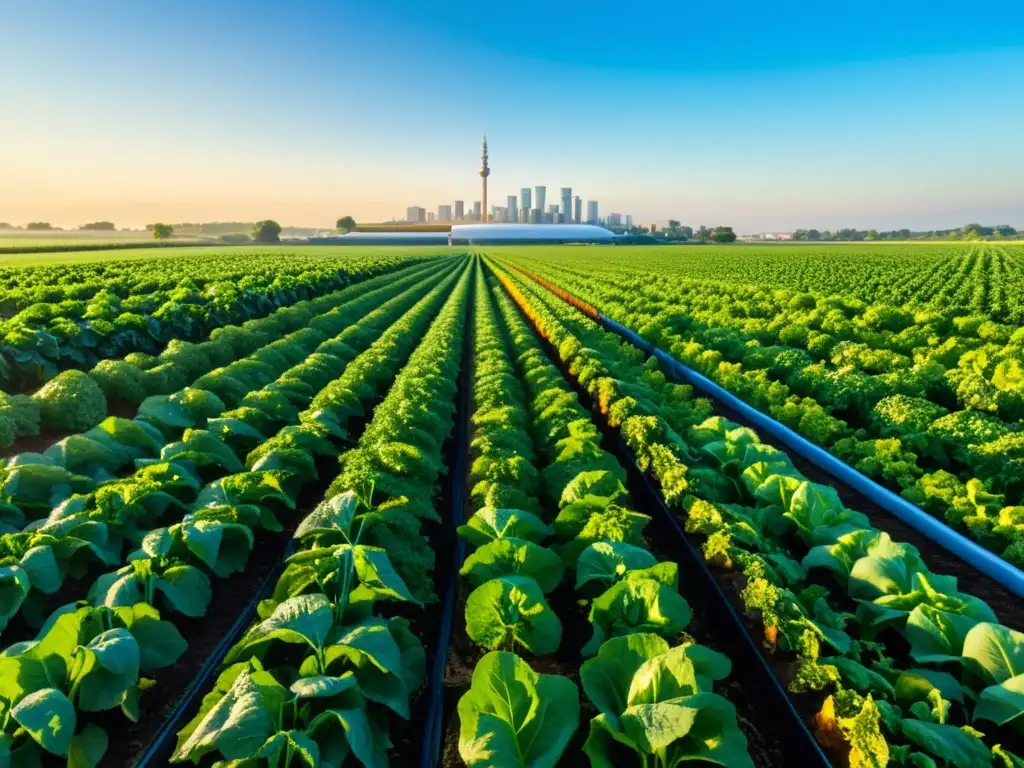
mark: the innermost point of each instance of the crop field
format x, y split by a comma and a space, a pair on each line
388, 506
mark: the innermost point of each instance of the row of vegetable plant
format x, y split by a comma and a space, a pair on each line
73, 316
76, 401
890, 662
173, 564
536, 450
319, 678
33, 482
964, 466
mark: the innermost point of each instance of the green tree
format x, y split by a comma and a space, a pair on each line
673, 224
39, 225
268, 231
162, 231
98, 226
345, 224
722, 235
686, 232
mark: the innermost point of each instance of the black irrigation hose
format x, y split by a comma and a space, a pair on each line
433, 726
162, 745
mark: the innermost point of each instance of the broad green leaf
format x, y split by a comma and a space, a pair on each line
681, 671
88, 747
303, 619
605, 562
607, 746
160, 642
291, 748
637, 605
597, 483
514, 557
814, 506
108, 666
378, 576
321, 686
607, 678
14, 588
490, 523
995, 652
509, 611
334, 514
41, 565
186, 588
246, 488
49, 718
511, 717
840, 556
203, 449
358, 731
240, 722
935, 635
1002, 703
955, 746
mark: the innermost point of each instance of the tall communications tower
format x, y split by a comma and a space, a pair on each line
485, 171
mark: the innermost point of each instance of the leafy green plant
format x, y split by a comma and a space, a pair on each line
656, 707
511, 717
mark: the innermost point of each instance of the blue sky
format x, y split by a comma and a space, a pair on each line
760, 115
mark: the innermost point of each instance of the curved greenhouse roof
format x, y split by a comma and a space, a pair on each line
541, 233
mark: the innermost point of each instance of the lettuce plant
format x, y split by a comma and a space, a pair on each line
656, 707
511, 717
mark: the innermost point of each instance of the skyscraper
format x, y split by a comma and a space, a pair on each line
485, 171
566, 204
525, 202
476, 210
629, 221
577, 216
592, 212
444, 213
614, 219
542, 193
415, 215
536, 215
513, 216
460, 210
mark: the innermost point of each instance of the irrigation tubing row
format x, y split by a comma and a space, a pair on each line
1004, 573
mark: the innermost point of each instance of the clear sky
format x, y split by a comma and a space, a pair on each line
762, 115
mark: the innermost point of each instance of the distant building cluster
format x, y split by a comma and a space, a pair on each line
768, 236
528, 207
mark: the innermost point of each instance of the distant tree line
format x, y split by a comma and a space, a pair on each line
676, 232
966, 232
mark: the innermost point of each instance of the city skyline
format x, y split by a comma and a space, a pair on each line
517, 209
766, 119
